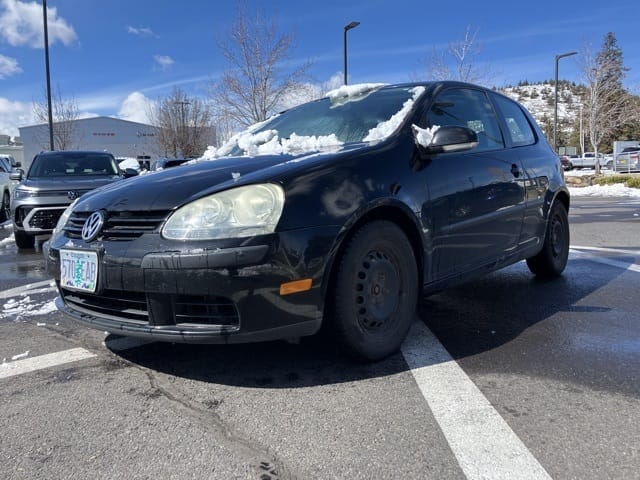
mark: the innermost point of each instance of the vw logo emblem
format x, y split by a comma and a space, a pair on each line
92, 226
72, 195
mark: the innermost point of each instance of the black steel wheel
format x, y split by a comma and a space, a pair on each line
376, 291
5, 212
552, 259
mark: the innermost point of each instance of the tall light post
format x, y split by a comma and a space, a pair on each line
555, 101
346, 29
183, 122
46, 62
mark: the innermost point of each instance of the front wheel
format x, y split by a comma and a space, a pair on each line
24, 241
552, 259
375, 291
5, 212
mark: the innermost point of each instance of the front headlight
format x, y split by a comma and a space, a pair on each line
239, 212
20, 193
62, 221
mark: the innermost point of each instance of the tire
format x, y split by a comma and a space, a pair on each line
5, 212
375, 292
24, 241
552, 259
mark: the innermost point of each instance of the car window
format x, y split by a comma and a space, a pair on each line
518, 126
349, 120
465, 107
76, 164
3, 169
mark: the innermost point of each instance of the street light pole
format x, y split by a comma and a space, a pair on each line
555, 101
46, 61
182, 103
346, 29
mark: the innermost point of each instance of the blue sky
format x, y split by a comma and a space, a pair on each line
113, 55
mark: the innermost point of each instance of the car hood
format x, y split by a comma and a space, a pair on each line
67, 183
174, 187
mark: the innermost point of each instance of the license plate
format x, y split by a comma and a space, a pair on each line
79, 270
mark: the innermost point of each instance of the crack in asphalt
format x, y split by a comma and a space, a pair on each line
270, 469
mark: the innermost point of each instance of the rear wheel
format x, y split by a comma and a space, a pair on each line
552, 259
375, 293
24, 241
5, 213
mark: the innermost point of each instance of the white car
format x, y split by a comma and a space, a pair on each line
588, 160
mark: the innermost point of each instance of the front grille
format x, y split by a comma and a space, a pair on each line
132, 307
46, 219
118, 225
204, 310
57, 193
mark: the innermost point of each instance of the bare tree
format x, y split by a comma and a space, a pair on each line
607, 104
458, 61
65, 114
257, 83
183, 125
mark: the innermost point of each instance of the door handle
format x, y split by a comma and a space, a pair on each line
515, 170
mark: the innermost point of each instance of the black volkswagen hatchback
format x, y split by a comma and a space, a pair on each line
337, 212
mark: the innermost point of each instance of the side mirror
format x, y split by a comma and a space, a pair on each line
16, 175
17, 165
445, 139
130, 172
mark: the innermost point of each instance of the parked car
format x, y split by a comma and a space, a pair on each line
163, 163
6, 187
588, 160
337, 212
54, 180
567, 161
628, 159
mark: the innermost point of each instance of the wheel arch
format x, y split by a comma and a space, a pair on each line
396, 213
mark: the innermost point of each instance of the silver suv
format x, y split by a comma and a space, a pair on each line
54, 180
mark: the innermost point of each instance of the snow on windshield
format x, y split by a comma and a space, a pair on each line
287, 141
268, 142
352, 92
386, 128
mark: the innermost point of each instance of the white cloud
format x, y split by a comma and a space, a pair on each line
8, 66
14, 115
136, 108
164, 61
141, 31
21, 24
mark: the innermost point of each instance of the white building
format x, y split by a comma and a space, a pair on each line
120, 137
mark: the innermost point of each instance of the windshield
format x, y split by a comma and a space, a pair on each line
346, 116
75, 164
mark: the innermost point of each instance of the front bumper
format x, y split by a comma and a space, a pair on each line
222, 294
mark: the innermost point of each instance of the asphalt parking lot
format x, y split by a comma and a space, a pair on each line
505, 377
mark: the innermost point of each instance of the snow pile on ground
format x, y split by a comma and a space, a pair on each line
26, 307
7, 242
613, 190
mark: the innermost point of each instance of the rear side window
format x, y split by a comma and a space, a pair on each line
470, 108
518, 126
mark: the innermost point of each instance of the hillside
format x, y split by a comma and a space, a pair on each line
539, 100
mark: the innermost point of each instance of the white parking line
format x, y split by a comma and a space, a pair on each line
607, 261
482, 442
19, 367
30, 288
